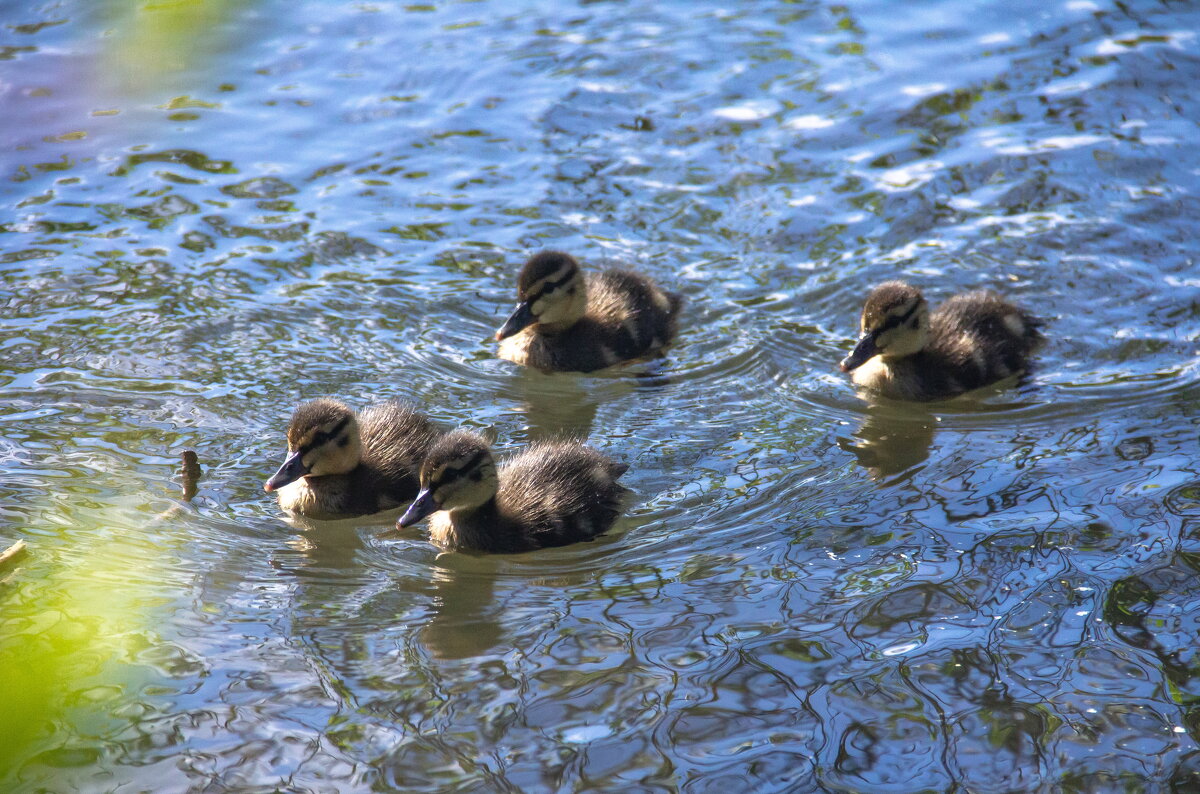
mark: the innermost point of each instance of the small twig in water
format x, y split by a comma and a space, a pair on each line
15, 550
190, 473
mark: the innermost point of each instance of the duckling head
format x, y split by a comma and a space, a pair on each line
323, 438
459, 473
552, 294
895, 324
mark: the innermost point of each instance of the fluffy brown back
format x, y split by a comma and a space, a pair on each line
978, 338
394, 440
561, 492
552, 494
396, 437
616, 295
989, 320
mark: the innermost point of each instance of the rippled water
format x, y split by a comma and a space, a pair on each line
213, 211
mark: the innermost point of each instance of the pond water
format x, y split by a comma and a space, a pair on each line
213, 211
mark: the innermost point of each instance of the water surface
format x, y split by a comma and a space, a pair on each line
213, 212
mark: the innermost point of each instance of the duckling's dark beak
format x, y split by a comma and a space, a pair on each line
421, 507
862, 353
521, 318
292, 469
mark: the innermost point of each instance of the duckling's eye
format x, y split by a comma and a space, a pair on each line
321, 438
344, 441
477, 475
896, 320
551, 286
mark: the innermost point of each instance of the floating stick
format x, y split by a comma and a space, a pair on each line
15, 550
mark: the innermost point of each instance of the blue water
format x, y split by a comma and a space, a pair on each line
214, 211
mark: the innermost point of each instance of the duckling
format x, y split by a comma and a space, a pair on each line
971, 340
341, 464
567, 322
552, 494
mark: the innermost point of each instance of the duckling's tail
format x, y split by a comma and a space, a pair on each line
676, 301
1033, 336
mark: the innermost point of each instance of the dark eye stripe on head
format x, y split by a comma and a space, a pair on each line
323, 438
895, 322
550, 286
451, 471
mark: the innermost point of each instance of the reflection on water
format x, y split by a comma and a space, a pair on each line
466, 620
213, 213
555, 407
894, 437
